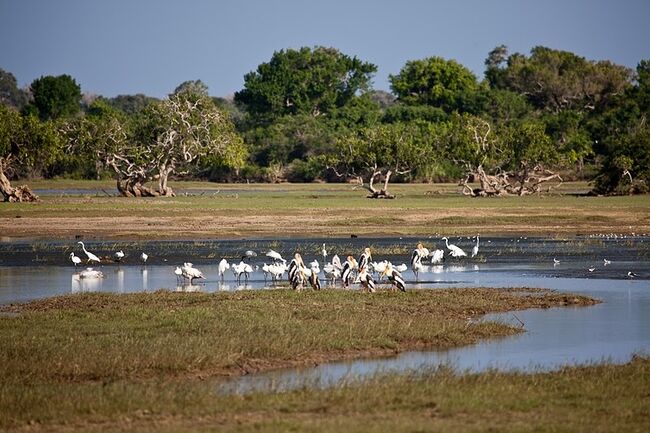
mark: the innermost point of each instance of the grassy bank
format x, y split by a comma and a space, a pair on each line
263, 210
104, 357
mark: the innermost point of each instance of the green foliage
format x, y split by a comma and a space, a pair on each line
194, 87
554, 80
10, 94
437, 82
56, 97
305, 81
629, 153
131, 104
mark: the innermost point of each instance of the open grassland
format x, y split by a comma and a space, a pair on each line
584, 399
105, 358
315, 210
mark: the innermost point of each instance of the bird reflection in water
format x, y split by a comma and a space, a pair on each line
189, 288
145, 279
88, 280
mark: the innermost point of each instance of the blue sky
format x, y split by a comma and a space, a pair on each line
116, 47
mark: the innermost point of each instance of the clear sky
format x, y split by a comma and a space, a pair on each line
114, 47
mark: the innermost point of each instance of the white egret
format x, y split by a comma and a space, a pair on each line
76, 260
437, 256
591, 269
248, 254
555, 261
606, 262
631, 274
119, 255
475, 248
401, 268
394, 277
324, 254
223, 267
91, 256
454, 251
144, 257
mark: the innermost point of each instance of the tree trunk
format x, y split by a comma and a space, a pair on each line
382, 193
524, 182
163, 189
14, 194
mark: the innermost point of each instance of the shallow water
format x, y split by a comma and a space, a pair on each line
613, 330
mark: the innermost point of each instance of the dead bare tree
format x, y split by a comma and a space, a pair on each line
10, 193
523, 182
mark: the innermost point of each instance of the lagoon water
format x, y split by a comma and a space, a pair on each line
613, 331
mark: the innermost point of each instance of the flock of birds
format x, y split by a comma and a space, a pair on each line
363, 271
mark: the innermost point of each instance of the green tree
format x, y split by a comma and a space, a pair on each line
437, 82
10, 94
131, 104
56, 97
626, 166
554, 80
305, 81
381, 151
195, 87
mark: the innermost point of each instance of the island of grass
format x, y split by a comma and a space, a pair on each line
105, 361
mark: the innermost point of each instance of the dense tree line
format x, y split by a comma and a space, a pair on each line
311, 113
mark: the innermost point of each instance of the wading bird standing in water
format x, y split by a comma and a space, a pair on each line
419, 253
76, 260
91, 256
190, 272
144, 257
454, 251
346, 275
394, 277
475, 249
119, 255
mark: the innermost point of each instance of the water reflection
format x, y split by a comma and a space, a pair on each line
145, 279
190, 288
80, 284
119, 278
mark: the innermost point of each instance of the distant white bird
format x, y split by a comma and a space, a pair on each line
275, 256
119, 255
179, 273
76, 260
276, 270
336, 262
631, 274
591, 269
606, 262
332, 272
91, 256
223, 267
555, 261
312, 275
90, 273
475, 248
379, 267
190, 272
437, 256
324, 254
144, 257
248, 254
454, 251
240, 269
401, 268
